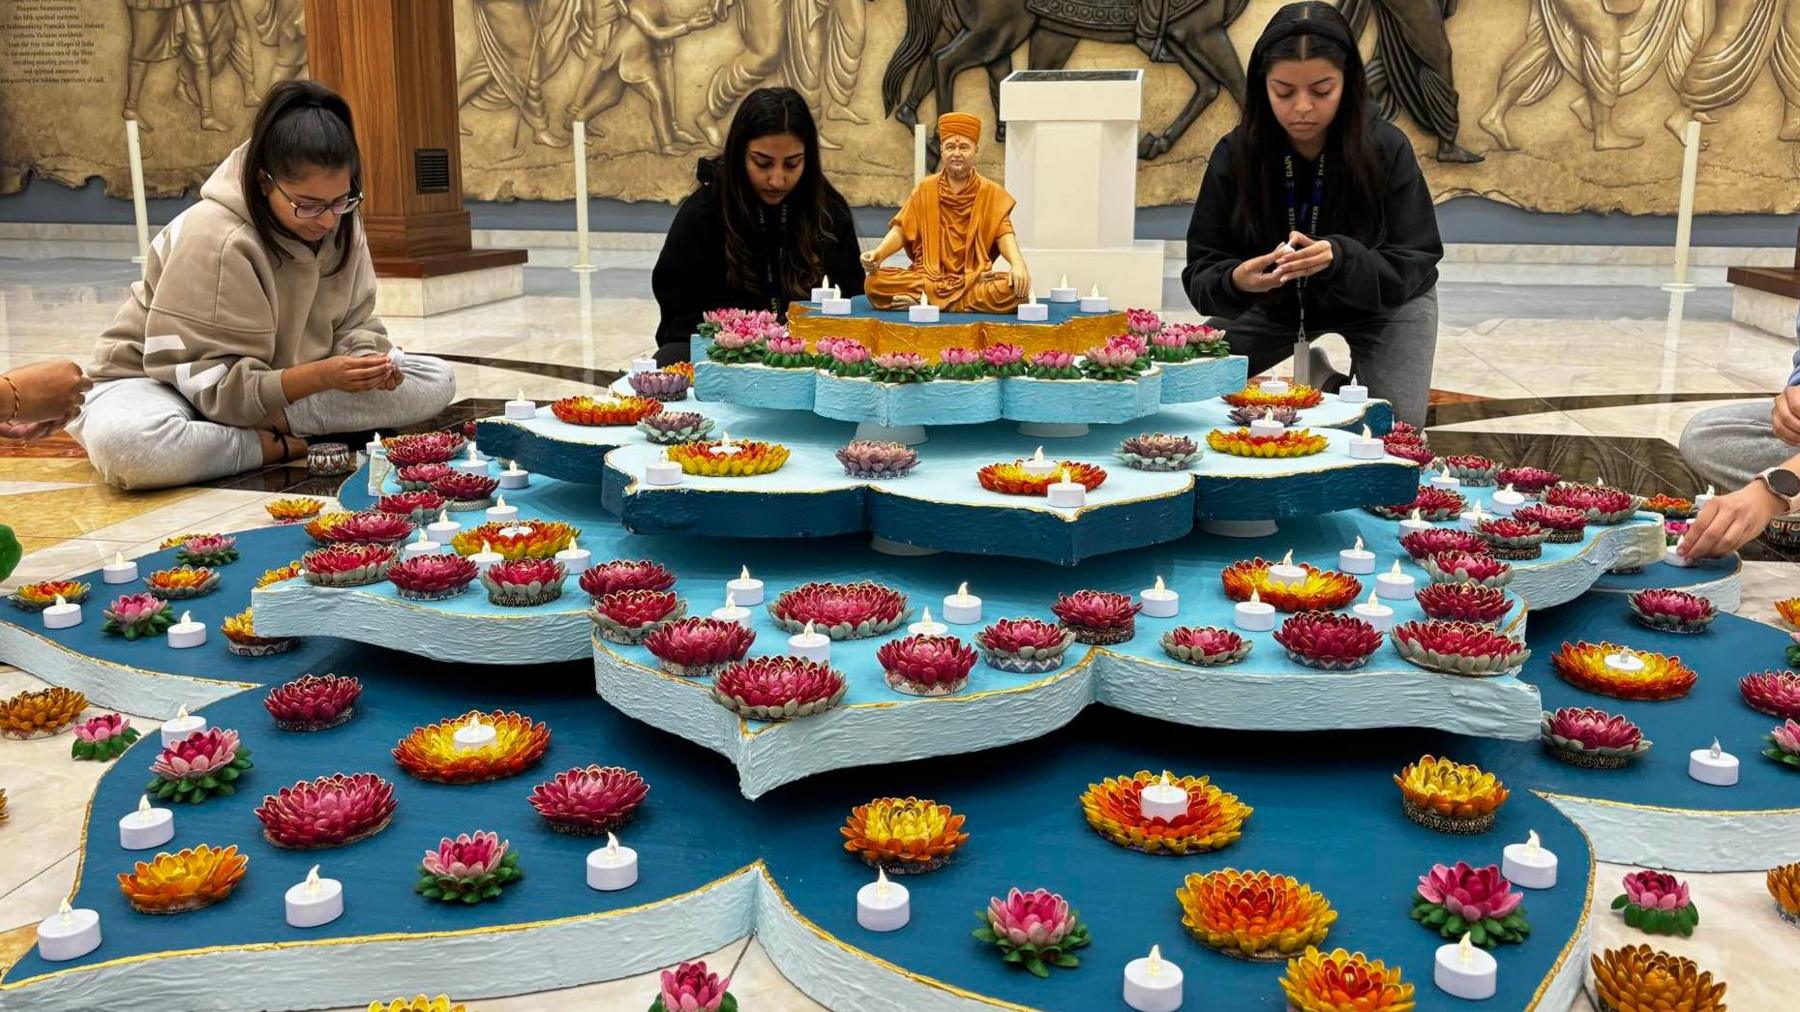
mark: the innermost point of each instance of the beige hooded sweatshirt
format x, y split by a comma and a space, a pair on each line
217, 319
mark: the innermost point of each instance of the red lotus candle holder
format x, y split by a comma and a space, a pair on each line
778, 688
1512, 538
182, 582
208, 550
524, 583
189, 880
1450, 797
1432, 504
1298, 395
1463, 602
699, 647
1329, 642
1528, 480
432, 577
904, 836
462, 492
1343, 981
1565, 526
1025, 646
1584, 666
38, 596
1672, 507
1423, 544
1214, 818
420, 477
1321, 590
1459, 648
1011, 478
1463, 567
1776, 693
418, 507
1675, 611
423, 448
313, 702
625, 574
136, 616
40, 713
1602, 505
1472, 469
589, 800
332, 811
1585, 736
370, 529
1287, 443
1657, 903
585, 410
242, 641
1406, 431
1253, 915
294, 509
102, 738
926, 665
1098, 617
204, 764
744, 458
521, 539
347, 565
1205, 646
629, 616
1417, 453
1462, 899
431, 753
842, 611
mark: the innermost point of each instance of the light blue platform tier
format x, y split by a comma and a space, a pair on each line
941, 505
1718, 580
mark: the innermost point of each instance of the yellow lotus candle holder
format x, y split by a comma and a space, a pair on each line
194, 878
1342, 981
1214, 818
1298, 395
1289, 443
241, 639
294, 510
1789, 610
738, 459
585, 410
1321, 590
1635, 674
270, 577
431, 752
1254, 914
904, 836
182, 582
685, 369
42, 713
419, 1003
38, 596
1784, 886
1449, 796
319, 527
525, 539
1638, 978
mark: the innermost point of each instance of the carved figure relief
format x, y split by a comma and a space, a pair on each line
206, 36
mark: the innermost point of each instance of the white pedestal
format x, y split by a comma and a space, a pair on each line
1131, 276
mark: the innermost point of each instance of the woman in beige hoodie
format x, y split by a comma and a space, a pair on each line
254, 326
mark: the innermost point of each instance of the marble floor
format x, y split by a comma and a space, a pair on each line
1595, 380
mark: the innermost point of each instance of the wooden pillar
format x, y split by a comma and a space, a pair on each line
394, 61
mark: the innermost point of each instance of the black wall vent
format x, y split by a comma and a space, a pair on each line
431, 168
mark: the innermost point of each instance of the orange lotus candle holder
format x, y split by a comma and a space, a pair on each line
38, 596
270, 577
189, 880
40, 713
431, 752
1321, 590
1011, 477
1645, 676
904, 836
1214, 818
294, 510
1342, 981
681, 369
1289, 443
1254, 914
1784, 887
319, 528
1298, 395
532, 539
419, 1003
741, 458
182, 582
584, 410
1449, 796
241, 638
1789, 610
1637, 978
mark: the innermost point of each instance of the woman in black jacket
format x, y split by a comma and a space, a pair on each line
1314, 217
763, 227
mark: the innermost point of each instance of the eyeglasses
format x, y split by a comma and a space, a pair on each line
312, 208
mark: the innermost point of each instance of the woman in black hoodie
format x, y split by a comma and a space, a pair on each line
763, 227
1313, 217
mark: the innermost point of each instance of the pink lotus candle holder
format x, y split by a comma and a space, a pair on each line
1459, 648
1329, 642
1098, 617
423, 448
1595, 739
208, 550
672, 428
1776, 693
842, 611
699, 647
1245, 415
1565, 526
1464, 567
1650, 676
419, 507
38, 596
901, 367
1512, 538
241, 639
589, 800
432, 577
1025, 646
625, 574
629, 616
690, 987
332, 811
1417, 453
1657, 903
1205, 646
1433, 504
421, 477
1528, 480
1675, 611
1214, 818
203, 764
1320, 590
347, 565
1053, 365
1154, 451
1784, 744
1011, 477
182, 582
313, 702
1602, 505
1423, 544
468, 869
370, 529
1464, 602
659, 386
135, 616
432, 753
1289, 443
1115, 361
1036, 930
875, 459
778, 688
524, 583
904, 836
1472, 469
102, 738
956, 363
462, 492
926, 665
787, 353
1461, 899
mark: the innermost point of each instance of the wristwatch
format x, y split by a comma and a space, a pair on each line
1785, 485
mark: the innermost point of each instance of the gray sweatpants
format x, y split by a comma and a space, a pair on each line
1728, 445
1392, 360
140, 433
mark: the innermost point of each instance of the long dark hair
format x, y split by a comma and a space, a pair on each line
1304, 31
812, 206
302, 127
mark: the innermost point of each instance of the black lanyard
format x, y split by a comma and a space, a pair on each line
772, 265
1311, 209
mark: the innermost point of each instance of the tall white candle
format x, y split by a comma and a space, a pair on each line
187, 633
178, 727
314, 901
146, 827
140, 206
612, 867
1152, 983
882, 905
68, 933
1464, 971
1528, 865
962, 607
583, 264
746, 589
379, 467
